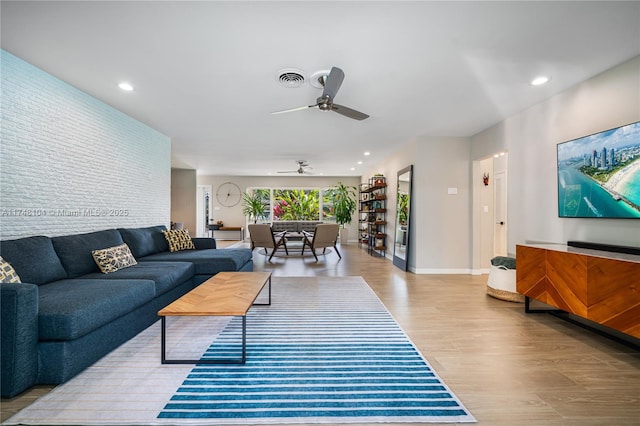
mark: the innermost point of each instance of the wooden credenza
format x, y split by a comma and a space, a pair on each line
603, 287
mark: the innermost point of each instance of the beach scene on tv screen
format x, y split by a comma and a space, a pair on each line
599, 175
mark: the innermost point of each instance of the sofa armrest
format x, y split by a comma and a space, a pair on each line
19, 328
204, 243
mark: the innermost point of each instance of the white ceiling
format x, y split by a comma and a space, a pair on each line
205, 72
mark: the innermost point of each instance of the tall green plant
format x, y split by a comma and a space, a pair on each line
254, 206
344, 203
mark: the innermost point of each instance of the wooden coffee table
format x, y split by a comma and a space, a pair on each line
224, 294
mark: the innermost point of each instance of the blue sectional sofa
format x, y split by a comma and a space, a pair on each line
66, 314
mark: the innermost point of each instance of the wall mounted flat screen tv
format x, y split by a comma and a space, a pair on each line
599, 174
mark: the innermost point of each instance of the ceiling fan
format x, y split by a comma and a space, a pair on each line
331, 85
302, 168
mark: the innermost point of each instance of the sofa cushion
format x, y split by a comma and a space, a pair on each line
294, 225
7, 273
307, 226
34, 259
145, 241
165, 275
113, 259
207, 262
72, 308
19, 348
75, 250
179, 239
279, 226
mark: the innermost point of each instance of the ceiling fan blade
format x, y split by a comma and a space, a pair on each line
289, 171
348, 112
295, 109
333, 82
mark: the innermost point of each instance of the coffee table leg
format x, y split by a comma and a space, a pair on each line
268, 303
244, 339
163, 344
163, 337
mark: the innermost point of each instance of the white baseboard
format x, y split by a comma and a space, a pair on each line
429, 271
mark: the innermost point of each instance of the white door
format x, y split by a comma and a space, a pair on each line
500, 212
203, 210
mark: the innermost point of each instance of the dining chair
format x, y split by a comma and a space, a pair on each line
325, 235
262, 235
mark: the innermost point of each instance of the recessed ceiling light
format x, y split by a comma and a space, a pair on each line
367, 153
539, 80
353, 168
125, 86
359, 162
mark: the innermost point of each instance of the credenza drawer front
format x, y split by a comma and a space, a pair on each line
614, 294
531, 279
567, 282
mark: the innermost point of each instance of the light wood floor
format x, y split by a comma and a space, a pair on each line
506, 367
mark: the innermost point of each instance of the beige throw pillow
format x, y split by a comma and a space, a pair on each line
114, 258
179, 239
7, 273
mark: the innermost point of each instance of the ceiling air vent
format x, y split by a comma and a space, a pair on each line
291, 77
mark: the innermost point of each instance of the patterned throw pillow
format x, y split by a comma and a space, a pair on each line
7, 273
179, 239
114, 258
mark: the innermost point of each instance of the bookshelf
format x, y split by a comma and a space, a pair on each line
372, 216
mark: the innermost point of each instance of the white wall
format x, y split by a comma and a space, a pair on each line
443, 231
71, 163
605, 101
440, 222
232, 216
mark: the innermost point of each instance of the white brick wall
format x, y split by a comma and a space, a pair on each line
70, 163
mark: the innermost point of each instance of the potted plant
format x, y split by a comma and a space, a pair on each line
253, 206
344, 206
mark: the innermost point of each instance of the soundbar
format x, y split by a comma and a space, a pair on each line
605, 247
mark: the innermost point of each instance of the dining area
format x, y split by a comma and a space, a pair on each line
282, 239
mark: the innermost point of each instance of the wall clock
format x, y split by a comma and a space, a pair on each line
228, 194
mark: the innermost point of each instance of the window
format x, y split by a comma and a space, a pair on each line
260, 204
295, 204
328, 213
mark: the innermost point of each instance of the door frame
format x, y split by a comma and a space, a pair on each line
500, 214
483, 206
201, 220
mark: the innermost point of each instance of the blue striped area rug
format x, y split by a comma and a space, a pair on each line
325, 351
